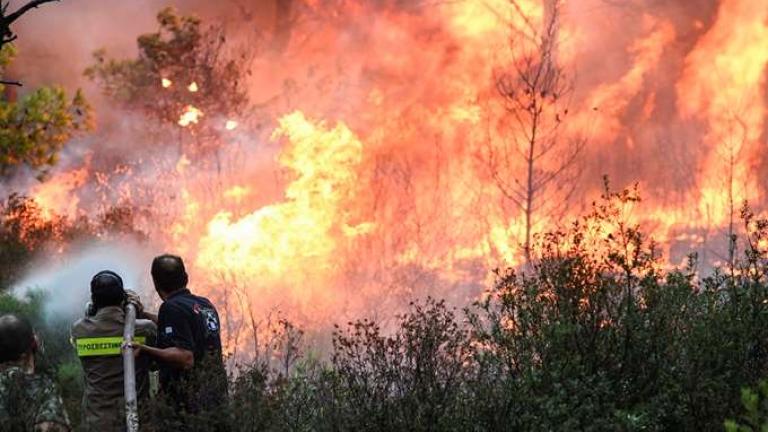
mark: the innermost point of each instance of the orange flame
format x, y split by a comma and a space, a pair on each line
723, 85
263, 248
57, 195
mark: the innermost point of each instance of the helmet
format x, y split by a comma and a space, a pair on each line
107, 289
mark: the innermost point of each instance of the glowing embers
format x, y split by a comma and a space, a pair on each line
191, 115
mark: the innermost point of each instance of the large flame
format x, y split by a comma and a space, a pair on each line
292, 245
724, 85
58, 195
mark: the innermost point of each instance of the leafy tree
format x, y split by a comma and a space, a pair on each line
179, 68
35, 128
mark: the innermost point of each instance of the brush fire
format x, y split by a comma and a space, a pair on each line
383, 151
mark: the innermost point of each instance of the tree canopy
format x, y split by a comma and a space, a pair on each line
181, 68
34, 128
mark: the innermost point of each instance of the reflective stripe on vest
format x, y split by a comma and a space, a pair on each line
102, 346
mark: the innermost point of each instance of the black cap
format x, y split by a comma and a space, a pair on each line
107, 289
16, 337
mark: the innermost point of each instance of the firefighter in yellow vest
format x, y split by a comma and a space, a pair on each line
98, 339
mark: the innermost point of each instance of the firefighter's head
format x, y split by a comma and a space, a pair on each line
107, 289
168, 274
17, 339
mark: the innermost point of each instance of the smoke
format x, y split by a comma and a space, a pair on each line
65, 280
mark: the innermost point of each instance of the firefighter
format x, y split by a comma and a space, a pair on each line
98, 338
28, 401
188, 352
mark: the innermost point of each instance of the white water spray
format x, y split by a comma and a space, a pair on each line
66, 280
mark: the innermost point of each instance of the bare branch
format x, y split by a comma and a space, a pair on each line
9, 19
532, 166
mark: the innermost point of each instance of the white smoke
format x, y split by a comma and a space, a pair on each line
65, 280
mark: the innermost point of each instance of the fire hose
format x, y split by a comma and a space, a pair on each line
129, 370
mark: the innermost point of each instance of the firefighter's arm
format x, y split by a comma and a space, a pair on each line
176, 331
150, 316
133, 297
176, 357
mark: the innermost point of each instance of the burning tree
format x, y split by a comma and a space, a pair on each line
181, 77
731, 151
532, 164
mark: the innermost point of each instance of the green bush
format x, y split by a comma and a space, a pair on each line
755, 403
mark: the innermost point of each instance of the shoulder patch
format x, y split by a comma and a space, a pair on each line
211, 320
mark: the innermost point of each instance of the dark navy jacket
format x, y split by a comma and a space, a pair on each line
192, 323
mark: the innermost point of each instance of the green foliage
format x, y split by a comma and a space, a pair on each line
35, 128
182, 52
755, 403
596, 337
7, 53
70, 380
30, 307
411, 379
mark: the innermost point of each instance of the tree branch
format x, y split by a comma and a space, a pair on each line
8, 20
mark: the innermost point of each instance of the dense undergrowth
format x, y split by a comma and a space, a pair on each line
595, 335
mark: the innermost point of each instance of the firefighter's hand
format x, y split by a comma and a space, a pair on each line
133, 298
137, 347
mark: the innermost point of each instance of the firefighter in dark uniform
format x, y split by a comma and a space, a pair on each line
98, 339
188, 352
